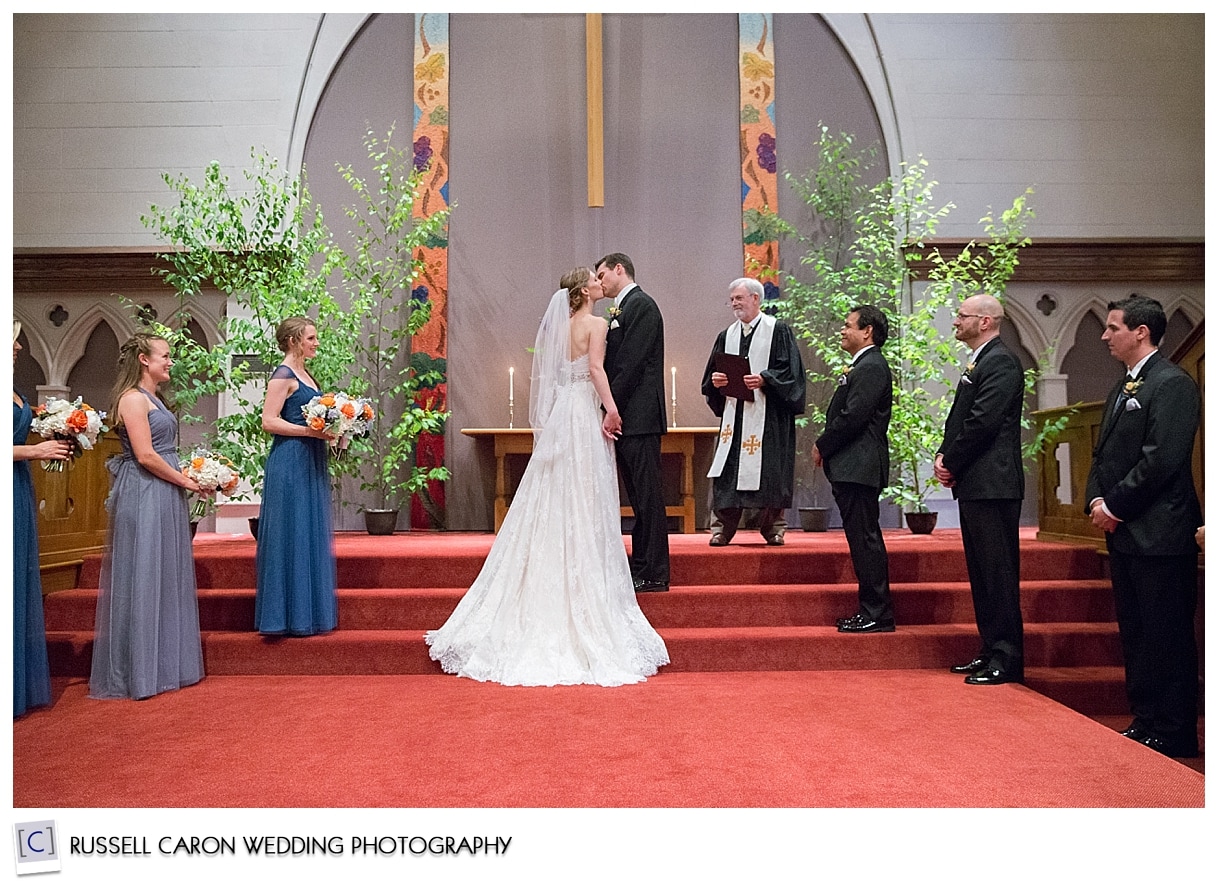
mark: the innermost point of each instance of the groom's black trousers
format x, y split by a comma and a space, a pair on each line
638, 460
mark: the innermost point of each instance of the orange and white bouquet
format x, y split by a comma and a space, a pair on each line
214, 474
72, 421
339, 414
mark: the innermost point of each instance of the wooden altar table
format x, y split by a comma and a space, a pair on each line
676, 441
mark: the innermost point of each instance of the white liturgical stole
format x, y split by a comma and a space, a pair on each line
748, 473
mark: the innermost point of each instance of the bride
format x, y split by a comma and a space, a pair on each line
554, 603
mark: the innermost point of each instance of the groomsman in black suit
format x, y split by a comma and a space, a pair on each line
1140, 493
980, 460
854, 452
634, 363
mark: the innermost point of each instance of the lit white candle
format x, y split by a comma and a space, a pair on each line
511, 385
674, 385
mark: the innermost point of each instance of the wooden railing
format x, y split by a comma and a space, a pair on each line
1065, 463
71, 514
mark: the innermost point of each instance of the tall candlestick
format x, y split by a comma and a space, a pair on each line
674, 396
511, 397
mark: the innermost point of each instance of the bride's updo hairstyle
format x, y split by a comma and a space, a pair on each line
575, 281
290, 330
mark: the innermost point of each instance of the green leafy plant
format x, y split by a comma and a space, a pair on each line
866, 234
379, 270
268, 249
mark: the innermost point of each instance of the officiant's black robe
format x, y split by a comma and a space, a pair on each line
784, 391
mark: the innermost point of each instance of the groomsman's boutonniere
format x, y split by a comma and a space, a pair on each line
967, 376
611, 315
1130, 389
846, 373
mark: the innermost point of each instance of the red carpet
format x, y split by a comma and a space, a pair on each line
764, 705
756, 739
740, 608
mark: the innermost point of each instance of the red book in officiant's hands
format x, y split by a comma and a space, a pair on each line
736, 367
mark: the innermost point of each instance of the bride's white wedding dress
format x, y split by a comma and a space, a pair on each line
554, 603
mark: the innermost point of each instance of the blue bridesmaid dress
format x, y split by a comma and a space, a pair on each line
295, 556
31, 672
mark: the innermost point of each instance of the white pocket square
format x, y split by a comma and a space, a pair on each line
965, 380
1132, 404
613, 324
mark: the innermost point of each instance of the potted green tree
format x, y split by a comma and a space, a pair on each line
268, 249
379, 268
817, 298
865, 241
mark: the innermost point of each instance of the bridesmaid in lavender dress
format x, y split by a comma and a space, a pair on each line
146, 640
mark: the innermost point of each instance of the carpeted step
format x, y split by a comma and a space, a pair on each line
697, 606
453, 560
1095, 690
349, 651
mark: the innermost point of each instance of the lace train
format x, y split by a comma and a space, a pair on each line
554, 603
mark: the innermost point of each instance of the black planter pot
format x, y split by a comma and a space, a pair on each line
380, 522
814, 520
194, 528
254, 528
921, 522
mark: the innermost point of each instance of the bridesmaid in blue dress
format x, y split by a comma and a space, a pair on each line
295, 557
146, 640
31, 673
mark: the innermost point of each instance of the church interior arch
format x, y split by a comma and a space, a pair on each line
518, 177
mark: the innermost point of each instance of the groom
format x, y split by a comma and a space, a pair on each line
634, 362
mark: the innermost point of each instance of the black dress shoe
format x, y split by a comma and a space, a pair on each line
718, 540
863, 625
1136, 730
1171, 748
647, 586
774, 540
992, 677
844, 619
977, 664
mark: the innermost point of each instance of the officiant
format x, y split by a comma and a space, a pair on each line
754, 382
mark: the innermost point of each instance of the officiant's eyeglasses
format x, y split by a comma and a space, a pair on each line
964, 315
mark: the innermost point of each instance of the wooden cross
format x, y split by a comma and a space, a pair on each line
593, 50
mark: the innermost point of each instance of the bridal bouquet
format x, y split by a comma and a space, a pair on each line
337, 413
72, 421
213, 473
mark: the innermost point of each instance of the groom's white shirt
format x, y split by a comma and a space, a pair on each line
617, 301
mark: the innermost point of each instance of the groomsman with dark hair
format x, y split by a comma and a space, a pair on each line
1140, 492
854, 452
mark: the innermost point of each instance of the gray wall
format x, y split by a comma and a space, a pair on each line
518, 182
1103, 114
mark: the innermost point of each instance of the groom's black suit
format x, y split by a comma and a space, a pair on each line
634, 363
1142, 468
